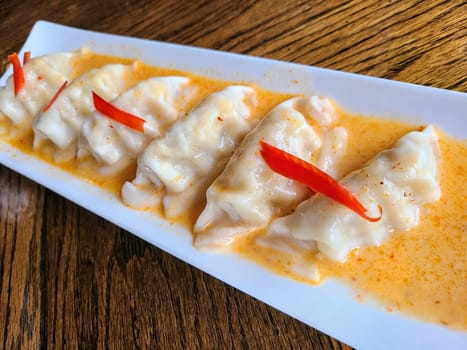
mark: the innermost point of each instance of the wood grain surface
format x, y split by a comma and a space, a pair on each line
69, 279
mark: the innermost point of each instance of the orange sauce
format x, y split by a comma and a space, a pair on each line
422, 272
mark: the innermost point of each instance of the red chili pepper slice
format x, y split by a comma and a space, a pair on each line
26, 57
51, 102
132, 121
18, 74
294, 168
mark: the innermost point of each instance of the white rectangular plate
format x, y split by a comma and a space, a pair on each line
330, 307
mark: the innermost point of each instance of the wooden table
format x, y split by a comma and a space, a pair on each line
69, 279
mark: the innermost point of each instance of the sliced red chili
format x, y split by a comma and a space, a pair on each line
26, 57
59, 91
297, 169
132, 121
18, 74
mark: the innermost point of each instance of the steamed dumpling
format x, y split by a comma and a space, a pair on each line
400, 179
248, 194
193, 152
63, 121
159, 101
43, 76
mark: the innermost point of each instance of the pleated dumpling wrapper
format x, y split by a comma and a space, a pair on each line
43, 76
248, 194
62, 122
179, 166
401, 180
160, 101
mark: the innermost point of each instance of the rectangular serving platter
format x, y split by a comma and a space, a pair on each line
330, 307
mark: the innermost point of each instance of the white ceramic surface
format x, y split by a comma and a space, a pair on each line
330, 307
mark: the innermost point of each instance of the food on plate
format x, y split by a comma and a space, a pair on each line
247, 195
400, 180
111, 111
158, 101
37, 80
185, 160
61, 123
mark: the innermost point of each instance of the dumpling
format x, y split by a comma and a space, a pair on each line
43, 76
193, 152
159, 101
400, 179
63, 121
248, 194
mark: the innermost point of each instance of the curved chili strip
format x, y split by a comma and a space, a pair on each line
51, 102
18, 74
26, 57
294, 168
132, 121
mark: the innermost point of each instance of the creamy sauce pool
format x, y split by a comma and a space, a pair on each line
422, 272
